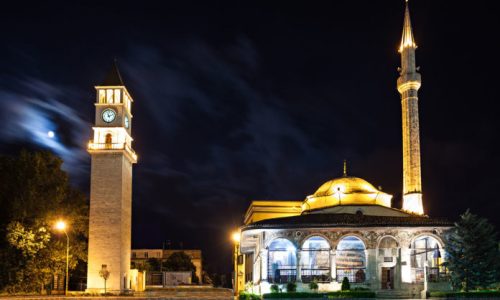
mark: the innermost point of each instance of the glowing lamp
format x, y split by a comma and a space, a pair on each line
60, 225
236, 236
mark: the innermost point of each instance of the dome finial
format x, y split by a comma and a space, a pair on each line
345, 168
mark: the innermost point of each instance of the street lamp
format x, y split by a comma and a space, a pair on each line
61, 226
236, 237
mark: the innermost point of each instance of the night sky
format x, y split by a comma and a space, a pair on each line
237, 101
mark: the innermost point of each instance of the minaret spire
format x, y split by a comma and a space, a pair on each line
408, 84
345, 168
407, 39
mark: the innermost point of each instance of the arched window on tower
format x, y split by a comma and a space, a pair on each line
315, 260
282, 261
108, 141
426, 252
351, 260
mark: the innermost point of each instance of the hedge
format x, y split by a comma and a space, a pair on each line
329, 295
471, 294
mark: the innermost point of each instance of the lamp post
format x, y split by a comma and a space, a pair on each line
236, 236
61, 226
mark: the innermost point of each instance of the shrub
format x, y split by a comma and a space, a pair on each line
470, 294
330, 295
248, 296
313, 286
275, 288
360, 288
291, 287
345, 284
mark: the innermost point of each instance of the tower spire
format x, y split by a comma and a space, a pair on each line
345, 168
408, 83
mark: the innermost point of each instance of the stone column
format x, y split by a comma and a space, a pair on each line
299, 266
263, 264
397, 271
298, 256
333, 269
372, 276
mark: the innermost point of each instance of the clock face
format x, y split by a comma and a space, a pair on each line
108, 115
126, 122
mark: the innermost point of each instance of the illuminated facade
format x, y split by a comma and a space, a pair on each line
111, 187
348, 228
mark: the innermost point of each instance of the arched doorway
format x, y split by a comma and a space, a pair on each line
108, 141
282, 261
387, 256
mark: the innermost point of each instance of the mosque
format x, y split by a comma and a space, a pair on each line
348, 228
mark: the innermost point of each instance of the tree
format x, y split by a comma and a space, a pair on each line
34, 193
472, 251
180, 261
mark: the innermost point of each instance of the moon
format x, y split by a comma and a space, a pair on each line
50, 134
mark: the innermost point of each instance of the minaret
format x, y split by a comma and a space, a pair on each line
111, 187
408, 84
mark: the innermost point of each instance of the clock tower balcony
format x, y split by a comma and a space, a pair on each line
108, 148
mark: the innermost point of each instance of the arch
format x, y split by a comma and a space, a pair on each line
315, 259
320, 235
282, 261
428, 234
387, 242
426, 251
351, 259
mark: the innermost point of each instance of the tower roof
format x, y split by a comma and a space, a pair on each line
113, 78
407, 39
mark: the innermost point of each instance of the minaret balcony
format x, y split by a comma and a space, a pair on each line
409, 81
112, 147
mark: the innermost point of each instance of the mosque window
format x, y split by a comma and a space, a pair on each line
315, 260
282, 261
426, 252
351, 260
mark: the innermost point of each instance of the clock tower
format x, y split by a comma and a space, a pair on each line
111, 187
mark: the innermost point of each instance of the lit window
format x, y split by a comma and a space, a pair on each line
109, 96
102, 96
426, 251
351, 260
282, 261
117, 96
315, 260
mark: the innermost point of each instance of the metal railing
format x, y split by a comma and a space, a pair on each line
282, 275
107, 146
112, 146
318, 274
434, 274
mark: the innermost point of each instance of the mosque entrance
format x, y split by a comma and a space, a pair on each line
387, 278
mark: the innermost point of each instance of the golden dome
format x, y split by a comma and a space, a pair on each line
346, 190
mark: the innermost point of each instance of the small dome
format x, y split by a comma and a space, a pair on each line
346, 190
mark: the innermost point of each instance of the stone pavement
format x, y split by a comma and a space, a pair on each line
153, 294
